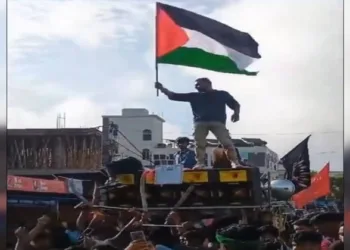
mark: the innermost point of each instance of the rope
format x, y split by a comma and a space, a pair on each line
185, 208
143, 192
109, 241
156, 225
184, 196
127, 140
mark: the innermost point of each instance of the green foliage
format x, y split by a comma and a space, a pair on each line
337, 187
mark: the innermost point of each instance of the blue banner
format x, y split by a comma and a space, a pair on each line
30, 203
37, 201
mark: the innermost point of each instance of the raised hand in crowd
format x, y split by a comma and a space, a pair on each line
43, 221
87, 209
25, 237
22, 236
21, 233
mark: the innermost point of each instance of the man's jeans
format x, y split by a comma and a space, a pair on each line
201, 131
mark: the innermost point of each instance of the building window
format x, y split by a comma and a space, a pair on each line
147, 135
257, 159
146, 155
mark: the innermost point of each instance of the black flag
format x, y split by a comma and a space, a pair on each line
297, 165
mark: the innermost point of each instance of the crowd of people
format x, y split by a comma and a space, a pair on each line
136, 230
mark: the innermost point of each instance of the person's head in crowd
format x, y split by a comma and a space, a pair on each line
138, 245
338, 245
163, 237
302, 225
266, 218
107, 247
182, 143
341, 231
75, 248
271, 245
238, 237
285, 237
307, 240
268, 232
59, 237
72, 232
327, 224
195, 238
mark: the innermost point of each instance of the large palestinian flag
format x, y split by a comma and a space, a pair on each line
188, 39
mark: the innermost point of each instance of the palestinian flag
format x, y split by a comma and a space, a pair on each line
188, 39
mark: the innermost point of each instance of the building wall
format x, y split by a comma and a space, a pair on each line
133, 138
133, 122
261, 156
34, 151
281, 171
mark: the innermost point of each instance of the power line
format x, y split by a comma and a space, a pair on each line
137, 153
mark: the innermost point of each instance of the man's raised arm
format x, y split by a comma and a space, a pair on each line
180, 97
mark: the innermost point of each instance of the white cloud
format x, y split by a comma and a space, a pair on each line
89, 24
171, 131
80, 112
2, 5
134, 87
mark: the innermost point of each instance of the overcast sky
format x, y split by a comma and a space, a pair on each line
93, 58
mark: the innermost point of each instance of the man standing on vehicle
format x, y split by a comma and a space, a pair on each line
209, 114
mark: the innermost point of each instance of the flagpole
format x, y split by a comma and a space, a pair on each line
156, 45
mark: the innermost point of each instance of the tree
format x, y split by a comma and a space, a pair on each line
337, 188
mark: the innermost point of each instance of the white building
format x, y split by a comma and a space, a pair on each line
281, 171
140, 134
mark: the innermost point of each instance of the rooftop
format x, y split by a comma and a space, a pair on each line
135, 112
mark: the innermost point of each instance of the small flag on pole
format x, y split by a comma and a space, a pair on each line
297, 165
320, 187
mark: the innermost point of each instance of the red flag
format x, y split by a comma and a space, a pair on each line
320, 186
